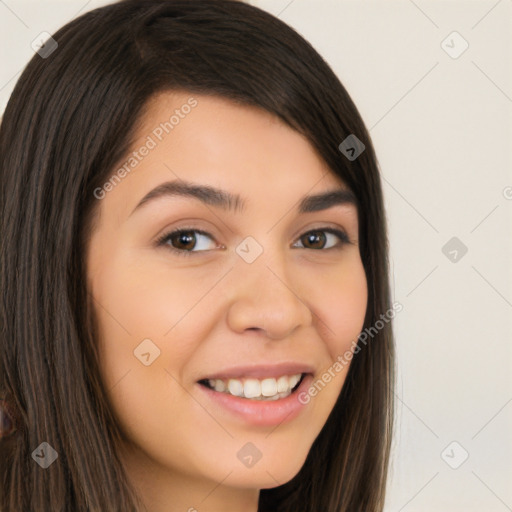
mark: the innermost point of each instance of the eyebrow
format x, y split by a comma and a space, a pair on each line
233, 202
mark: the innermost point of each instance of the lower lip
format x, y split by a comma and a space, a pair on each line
261, 412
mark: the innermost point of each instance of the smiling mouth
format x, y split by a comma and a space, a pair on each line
267, 389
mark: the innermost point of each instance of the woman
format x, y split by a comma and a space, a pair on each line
234, 378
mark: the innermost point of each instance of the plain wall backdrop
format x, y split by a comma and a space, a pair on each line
433, 83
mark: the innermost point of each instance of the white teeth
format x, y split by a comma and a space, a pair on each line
255, 389
293, 381
235, 387
218, 385
268, 387
282, 384
252, 388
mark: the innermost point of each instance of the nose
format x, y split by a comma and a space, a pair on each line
266, 296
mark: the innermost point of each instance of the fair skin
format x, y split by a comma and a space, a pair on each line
301, 301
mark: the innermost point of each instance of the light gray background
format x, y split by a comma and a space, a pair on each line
442, 128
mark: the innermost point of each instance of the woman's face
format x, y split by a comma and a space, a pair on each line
256, 292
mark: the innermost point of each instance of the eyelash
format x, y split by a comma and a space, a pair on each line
162, 241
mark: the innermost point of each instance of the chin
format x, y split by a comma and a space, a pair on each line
272, 473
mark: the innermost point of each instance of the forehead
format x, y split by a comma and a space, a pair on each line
180, 120
214, 141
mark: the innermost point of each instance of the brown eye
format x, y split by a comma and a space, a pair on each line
186, 241
314, 239
319, 238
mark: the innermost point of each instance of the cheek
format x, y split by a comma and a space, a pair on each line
140, 310
340, 300
146, 299
342, 307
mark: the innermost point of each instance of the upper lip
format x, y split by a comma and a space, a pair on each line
260, 371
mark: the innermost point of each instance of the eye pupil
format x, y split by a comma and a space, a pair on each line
186, 238
313, 237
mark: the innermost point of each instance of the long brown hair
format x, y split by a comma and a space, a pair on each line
70, 118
